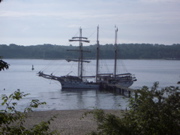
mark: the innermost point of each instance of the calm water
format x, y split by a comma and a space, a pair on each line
20, 76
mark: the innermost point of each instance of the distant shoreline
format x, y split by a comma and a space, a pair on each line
65, 59
125, 51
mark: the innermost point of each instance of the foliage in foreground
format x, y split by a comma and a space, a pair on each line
3, 65
152, 112
12, 121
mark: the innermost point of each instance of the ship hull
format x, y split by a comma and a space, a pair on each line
90, 85
126, 84
123, 80
74, 82
82, 85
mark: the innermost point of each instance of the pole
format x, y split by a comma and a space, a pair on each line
97, 55
115, 57
81, 54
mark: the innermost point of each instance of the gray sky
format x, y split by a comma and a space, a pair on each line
32, 22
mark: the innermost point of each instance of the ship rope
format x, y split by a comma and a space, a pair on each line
121, 67
88, 71
107, 67
92, 34
104, 68
53, 66
74, 64
48, 66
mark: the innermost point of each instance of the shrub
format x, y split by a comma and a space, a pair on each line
12, 121
152, 112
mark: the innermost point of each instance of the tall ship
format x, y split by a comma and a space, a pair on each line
75, 82
80, 81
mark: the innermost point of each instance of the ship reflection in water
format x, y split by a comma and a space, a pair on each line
82, 99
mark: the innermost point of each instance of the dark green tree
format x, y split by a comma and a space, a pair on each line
152, 112
125, 51
3, 65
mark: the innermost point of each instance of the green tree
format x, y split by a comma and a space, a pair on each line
12, 121
152, 112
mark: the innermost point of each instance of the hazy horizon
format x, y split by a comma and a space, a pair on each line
32, 22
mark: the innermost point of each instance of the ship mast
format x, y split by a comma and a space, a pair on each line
115, 56
97, 55
80, 63
80, 39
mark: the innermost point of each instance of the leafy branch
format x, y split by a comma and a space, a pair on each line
12, 121
152, 112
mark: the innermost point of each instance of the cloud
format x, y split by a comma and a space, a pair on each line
57, 19
149, 1
157, 1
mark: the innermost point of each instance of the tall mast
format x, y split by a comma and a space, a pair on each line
80, 39
97, 55
115, 57
81, 54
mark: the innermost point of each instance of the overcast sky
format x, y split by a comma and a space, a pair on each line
32, 22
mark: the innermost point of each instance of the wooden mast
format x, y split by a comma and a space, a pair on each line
115, 56
80, 39
97, 55
81, 55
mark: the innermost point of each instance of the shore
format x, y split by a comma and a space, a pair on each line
68, 122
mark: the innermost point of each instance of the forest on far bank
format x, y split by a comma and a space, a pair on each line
125, 51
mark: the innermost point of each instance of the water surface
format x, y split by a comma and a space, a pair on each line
21, 76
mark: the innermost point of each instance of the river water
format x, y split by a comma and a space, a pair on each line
21, 76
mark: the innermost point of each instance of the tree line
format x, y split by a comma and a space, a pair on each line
125, 51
